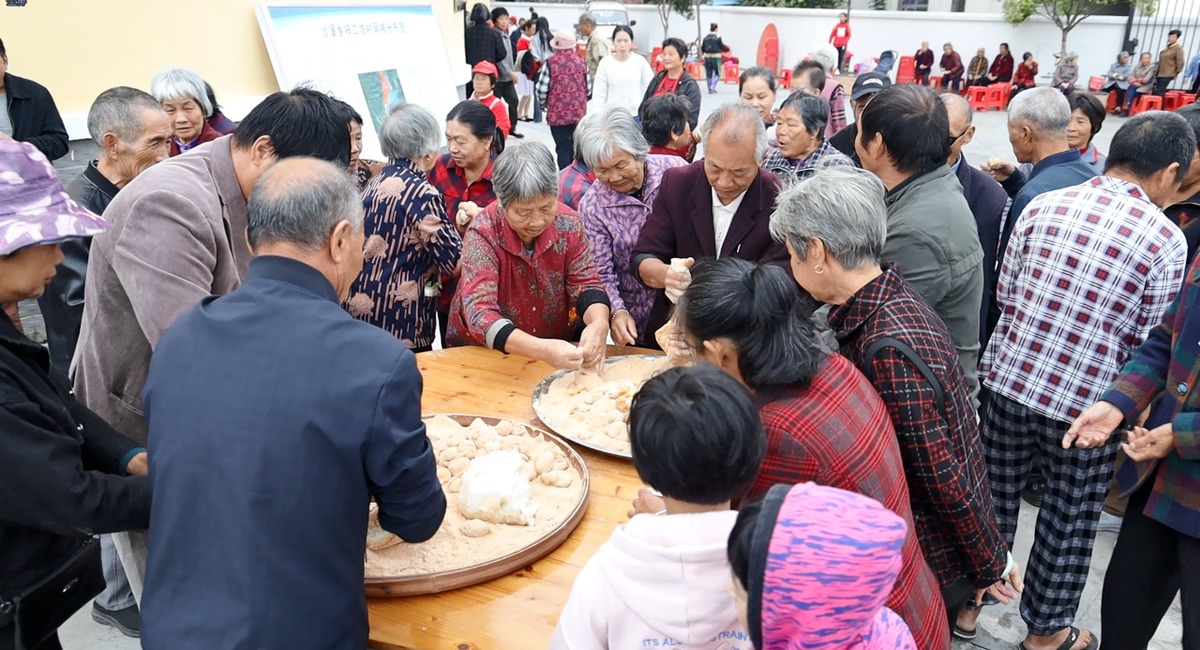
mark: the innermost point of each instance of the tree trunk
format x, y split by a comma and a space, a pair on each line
1063, 52
699, 28
664, 14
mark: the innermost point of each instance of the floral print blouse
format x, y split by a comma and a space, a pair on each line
543, 291
402, 254
613, 222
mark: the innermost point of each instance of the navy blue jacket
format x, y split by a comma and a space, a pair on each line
274, 417
1052, 173
987, 200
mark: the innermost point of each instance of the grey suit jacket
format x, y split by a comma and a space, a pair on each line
179, 236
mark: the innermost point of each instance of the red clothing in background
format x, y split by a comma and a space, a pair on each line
840, 35
837, 432
1025, 75
207, 134
498, 108
1002, 67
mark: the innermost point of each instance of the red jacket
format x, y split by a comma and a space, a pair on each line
207, 134
499, 109
1025, 74
837, 432
840, 35
1002, 67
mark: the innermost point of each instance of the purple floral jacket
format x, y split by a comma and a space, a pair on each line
613, 222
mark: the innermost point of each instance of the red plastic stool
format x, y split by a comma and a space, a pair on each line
995, 97
785, 78
977, 96
1173, 100
1146, 103
732, 73
1112, 102
1188, 98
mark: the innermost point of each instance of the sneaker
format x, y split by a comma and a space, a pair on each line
1109, 523
128, 621
1032, 494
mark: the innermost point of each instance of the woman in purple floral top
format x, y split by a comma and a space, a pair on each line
614, 209
409, 239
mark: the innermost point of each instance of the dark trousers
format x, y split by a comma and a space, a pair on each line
1150, 564
564, 144
841, 58
507, 91
947, 80
1160, 85
712, 67
1120, 95
8, 641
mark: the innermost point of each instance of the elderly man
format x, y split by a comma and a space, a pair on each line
716, 207
865, 87
133, 133
932, 236
597, 45
28, 113
1037, 128
1090, 270
987, 199
179, 236
324, 415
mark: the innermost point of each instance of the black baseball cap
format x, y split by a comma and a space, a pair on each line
869, 84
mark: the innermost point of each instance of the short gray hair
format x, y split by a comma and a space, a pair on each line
300, 201
1071, 56
956, 103
524, 172
1045, 110
180, 83
120, 111
743, 120
587, 19
600, 136
841, 206
827, 56
813, 111
409, 132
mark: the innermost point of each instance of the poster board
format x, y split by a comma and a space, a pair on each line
371, 56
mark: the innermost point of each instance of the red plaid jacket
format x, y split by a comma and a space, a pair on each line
837, 432
943, 456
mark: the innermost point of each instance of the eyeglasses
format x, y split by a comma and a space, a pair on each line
956, 138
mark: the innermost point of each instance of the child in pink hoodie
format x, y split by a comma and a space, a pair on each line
662, 580
812, 568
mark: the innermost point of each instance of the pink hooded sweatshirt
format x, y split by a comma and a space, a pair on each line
660, 582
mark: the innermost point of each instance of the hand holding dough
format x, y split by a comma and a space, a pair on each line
679, 276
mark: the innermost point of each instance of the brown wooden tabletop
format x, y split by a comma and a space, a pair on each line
519, 610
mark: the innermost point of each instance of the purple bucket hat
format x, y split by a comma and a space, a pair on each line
34, 209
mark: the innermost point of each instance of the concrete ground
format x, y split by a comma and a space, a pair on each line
1001, 627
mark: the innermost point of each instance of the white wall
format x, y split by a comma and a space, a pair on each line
1097, 40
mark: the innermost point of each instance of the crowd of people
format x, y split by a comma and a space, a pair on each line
880, 346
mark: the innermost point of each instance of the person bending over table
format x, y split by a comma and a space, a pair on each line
527, 274
716, 207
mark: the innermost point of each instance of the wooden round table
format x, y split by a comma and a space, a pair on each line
519, 610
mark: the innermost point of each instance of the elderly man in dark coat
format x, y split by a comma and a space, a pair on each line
275, 418
716, 207
987, 199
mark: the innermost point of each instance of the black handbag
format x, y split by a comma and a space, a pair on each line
38, 612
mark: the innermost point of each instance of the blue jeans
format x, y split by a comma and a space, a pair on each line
1130, 97
117, 594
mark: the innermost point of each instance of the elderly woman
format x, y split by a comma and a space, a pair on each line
756, 87
409, 239
563, 87
627, 181
360, 169
184, 96
1087, 116
64, 472
835, 225
802, 150
665, 126
823, 420
1141, 80
1066, 73
1026, 75
1117, 79
674, 80
952, 68
528, 279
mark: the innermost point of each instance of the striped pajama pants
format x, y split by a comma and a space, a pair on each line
1077, 482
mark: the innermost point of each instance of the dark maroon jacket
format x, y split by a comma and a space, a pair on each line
680, 224
1002, 67
988, 201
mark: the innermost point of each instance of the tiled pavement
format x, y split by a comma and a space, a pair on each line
1001, 627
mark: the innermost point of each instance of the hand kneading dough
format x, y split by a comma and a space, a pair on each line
474, 528
494, 489
378, 538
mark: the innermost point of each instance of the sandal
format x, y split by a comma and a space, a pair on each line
1072, 637
966, 635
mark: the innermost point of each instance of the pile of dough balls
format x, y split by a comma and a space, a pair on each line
600, 415
456, 446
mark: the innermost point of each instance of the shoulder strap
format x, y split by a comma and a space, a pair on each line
914, 358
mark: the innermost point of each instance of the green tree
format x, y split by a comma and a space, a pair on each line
684, 8
1067, 14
